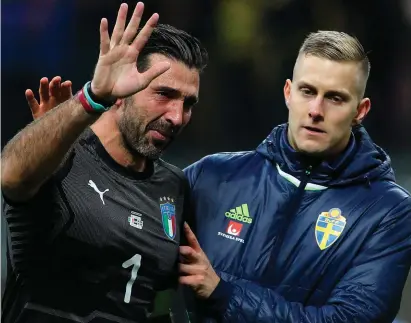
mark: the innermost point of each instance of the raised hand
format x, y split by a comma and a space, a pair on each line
116, 74
50, 95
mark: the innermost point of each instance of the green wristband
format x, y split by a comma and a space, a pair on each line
97, 106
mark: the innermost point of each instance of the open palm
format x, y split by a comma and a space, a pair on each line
116, 74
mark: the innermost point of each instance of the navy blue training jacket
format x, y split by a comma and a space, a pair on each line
294, 240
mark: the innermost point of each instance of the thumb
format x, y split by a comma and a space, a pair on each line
32, 102
154, 71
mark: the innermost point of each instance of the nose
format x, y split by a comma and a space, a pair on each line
316, 109
175, 112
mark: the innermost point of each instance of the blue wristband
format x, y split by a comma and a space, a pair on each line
96, 106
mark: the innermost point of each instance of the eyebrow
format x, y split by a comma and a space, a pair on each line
190, 99
343, 94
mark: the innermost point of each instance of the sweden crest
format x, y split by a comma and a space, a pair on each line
329, 227
168, 216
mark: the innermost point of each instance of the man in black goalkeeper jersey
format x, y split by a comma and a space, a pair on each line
94, 215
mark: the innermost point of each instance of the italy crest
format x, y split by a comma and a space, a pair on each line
329, 227
168, 215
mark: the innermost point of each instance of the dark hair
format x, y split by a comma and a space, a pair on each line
173, 43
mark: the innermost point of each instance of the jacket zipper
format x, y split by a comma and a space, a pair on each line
289, 212
295, 200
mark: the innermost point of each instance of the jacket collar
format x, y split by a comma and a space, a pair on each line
362, 160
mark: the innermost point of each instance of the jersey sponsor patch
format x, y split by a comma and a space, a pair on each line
135, 220
232, 231
234, 228
168, 215
240, 213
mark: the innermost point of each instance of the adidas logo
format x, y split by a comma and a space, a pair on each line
240, 213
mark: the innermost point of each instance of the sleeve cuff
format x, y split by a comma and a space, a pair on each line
218, 301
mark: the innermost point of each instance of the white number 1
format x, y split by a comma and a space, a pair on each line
134, 261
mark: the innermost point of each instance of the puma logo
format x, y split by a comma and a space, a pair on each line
94, 186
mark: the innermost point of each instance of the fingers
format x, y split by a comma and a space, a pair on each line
119, 26
154, 72
51, 94
54, 87
191, 238
191, 269
66, 90
104, 37
32, 102
145, 32
132, 26
192, 280
188, 254
44, 89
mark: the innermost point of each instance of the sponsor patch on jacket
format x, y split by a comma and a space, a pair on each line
233, 231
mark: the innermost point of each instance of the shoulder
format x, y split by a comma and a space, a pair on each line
224, 159
390, 192
174, 171
221, 164
394, 198
384, 201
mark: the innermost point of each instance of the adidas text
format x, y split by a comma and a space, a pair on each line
238, 217
240, 213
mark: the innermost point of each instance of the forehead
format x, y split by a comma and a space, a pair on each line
328, 75
179, 76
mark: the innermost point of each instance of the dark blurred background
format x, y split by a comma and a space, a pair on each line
252, 46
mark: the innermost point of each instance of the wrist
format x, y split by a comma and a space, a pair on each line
91, 102
215, 282
98, 97
217, 302
85, 103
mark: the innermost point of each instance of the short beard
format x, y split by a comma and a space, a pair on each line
134, 139
140, 146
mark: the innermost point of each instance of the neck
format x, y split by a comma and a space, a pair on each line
107, 131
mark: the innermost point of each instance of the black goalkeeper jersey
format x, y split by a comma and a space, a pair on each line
97, 241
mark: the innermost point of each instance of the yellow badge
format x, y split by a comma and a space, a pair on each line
329, 227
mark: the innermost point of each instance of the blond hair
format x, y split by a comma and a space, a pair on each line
336, 46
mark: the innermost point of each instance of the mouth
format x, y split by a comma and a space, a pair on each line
314, 130
160, 135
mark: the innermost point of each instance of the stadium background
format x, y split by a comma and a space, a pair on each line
252, 46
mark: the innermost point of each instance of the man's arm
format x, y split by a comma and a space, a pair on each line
33, 155
369, 292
